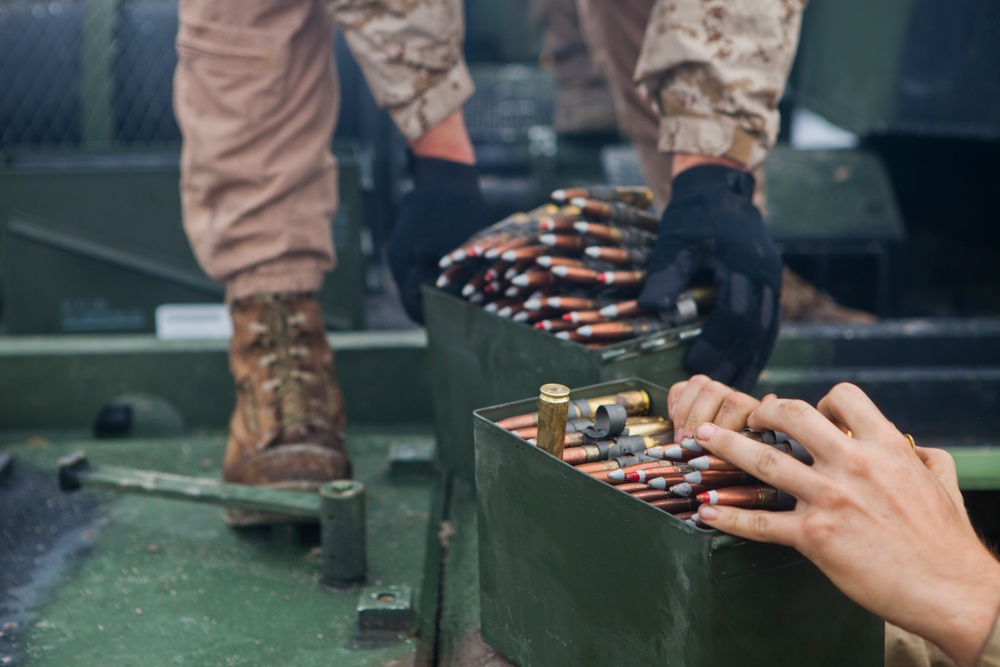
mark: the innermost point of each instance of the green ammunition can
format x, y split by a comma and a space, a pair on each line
702, 598
476, 358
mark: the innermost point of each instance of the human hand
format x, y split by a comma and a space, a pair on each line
883, 521
702, 399
444, 208
711, 226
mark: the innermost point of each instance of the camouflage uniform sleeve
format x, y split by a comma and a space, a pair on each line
716, 71
411, 54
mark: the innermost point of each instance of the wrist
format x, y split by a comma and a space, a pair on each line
448, 140
683, 161
963, 610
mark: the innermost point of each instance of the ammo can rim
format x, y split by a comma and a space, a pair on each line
488, 416
610, 353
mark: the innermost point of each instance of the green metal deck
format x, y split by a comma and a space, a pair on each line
95, 577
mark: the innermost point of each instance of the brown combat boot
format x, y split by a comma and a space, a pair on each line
801, 302
287, 428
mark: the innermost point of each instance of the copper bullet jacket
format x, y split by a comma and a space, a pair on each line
719, 478
554, 326
600, 232
571, 303
711, 462
622, 278
496, 251
650, 494
566, 242
748, 497
576, 274
584, 317
614, 255
632, 488
597, 467
619, 213
622, 309
675, 505
560, 223
524, 252
549, 261
582, 454
534, 278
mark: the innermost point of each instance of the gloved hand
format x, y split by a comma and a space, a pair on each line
712, 227
444, 209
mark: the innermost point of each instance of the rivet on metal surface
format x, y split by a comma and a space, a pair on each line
386, 609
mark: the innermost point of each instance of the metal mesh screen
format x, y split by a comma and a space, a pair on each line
87, 73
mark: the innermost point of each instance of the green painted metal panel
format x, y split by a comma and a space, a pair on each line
149, 581
575, 572
849, 61
94, 243
830, 197
476, 359
60, 382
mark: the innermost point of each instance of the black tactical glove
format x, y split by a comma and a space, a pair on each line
444, 208
711, 227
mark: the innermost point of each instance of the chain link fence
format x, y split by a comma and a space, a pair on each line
94, 73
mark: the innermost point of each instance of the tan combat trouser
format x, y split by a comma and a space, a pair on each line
709, 75
256, 98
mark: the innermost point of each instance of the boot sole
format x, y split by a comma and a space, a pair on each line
240, 517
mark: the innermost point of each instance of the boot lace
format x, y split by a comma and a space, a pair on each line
279, 334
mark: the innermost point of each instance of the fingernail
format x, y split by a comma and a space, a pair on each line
690, 445
708, 512
704, 431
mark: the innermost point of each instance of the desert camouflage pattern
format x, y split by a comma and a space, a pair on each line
411, 54
256, 97
716, 70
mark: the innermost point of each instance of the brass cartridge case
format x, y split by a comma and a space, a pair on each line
553, 406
